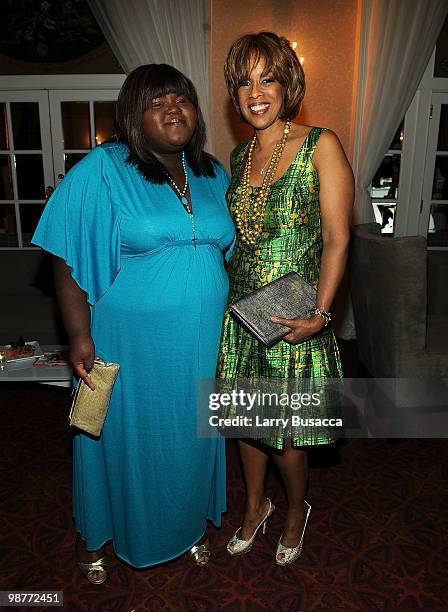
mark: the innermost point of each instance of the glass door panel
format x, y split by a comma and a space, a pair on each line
30, 176
71, 159
4, 144
76, 125
442, 142
440, 180
8, 226
6, 189
438, 226
384, 186
81, 120
104, 114
441, 55
26, 125
385, 182
29, 218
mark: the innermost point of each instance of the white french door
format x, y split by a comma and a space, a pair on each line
26, 165
433, 221
44, 133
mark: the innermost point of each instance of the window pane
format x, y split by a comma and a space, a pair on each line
8, 228
438, 225
76, 125
71, 159
442, 144
4, 140
440, 183
6, 192
385, 216
441, 60
104, 121
385, 182
29, 218
30, 177
25, 125
397, 140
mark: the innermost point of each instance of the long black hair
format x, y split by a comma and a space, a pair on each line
143, 85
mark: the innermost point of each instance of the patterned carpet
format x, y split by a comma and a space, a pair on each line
377, 538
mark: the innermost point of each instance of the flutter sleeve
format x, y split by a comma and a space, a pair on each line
80, 224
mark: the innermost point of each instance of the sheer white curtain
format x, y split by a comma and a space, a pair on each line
160, 32
397, 39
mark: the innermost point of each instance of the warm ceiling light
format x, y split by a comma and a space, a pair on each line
294, 47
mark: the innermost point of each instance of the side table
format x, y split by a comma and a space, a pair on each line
53, 375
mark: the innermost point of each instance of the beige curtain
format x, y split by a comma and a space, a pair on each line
397, 39
161, 32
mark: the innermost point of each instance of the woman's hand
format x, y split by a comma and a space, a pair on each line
301, 329
81, 356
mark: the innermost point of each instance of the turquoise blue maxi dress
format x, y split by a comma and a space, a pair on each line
148, 483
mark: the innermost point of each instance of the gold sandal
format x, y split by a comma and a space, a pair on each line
198, 552
89, 570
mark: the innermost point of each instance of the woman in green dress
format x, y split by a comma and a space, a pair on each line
291, 196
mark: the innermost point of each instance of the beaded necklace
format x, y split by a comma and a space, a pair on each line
250, 232
183, 198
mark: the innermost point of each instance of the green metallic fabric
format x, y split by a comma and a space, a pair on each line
291, 241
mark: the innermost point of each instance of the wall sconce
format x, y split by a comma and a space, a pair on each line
294, 46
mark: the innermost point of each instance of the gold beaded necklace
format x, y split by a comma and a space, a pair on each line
250, 232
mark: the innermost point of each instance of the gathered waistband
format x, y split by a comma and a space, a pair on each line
175, 243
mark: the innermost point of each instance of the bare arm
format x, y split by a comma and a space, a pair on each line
336, 204
76, 316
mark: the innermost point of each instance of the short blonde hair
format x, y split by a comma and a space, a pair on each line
280, 60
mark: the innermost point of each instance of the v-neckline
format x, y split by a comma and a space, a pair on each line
294, 161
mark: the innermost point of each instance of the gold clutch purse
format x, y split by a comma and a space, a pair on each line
89, 408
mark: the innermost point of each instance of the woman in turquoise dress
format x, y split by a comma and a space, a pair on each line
291, 196
140, 231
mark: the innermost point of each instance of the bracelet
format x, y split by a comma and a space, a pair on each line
322, 313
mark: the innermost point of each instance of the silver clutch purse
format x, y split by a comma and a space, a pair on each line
289, 297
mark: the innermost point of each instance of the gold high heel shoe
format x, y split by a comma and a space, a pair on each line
241, 547
96, 567
200, 554
291, 554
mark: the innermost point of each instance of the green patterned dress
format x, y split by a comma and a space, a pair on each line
291, 241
